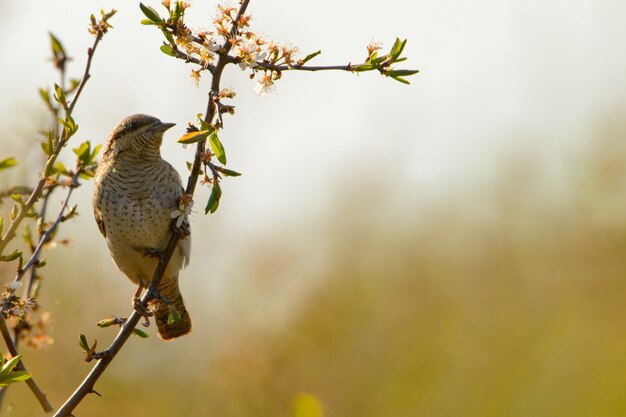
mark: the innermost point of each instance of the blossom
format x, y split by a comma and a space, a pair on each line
14, 285
184, 210
264, 86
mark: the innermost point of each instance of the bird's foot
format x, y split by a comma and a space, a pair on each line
156, 295
184, 229
141, 308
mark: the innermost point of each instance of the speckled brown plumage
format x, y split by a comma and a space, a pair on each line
135, 193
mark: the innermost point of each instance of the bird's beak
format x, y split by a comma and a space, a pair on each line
162, 127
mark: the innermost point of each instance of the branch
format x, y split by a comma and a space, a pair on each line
44, 238
34, 196
87, 386
280, 68
39, 394
90, 51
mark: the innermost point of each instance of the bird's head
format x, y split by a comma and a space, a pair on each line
138, 135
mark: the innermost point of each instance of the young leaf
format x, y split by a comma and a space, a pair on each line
214, 199
401, 73
83, 342
309, 57
59, 168
150, 13
15, 376
193, 137
397, 49
204, 125
217, 147
168, 50
402, 80
105, 323
228, 172
57, 48
59, 96
93, 155
11, 257
140, 333
45, 96
83, 151
7, 163
7, 373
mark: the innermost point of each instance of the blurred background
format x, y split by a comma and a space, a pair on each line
455, 247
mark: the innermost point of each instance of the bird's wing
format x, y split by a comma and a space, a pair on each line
100, 221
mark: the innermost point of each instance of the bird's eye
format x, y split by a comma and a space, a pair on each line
130, 126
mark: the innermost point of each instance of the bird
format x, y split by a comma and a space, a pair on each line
136, 195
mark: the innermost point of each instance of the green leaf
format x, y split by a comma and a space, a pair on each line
93, 155
310, 56
17, 198
402, 73
147, 22
402, 80
189, 165
168, 36
11, 257
45, 96
193, 137
7, 163
83, 342
10, 364
83, 151
228, 172
57, 46
140, 333
105, 323
365, 67
150, 13
378, 60
397, 49
7, 373
59, 168
46, 148
167, 50
59, 96
217, 147
214, 199
204, 125
70, 126
173, 316
16, 376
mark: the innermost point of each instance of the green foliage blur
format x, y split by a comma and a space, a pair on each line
504, 300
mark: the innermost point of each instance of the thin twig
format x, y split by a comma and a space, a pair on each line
39, 394
9, 340
86, 74
34, 196
87, 386
44, 239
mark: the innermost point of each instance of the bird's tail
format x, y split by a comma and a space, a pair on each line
170, 314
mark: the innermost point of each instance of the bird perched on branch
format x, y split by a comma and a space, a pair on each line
135, 195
